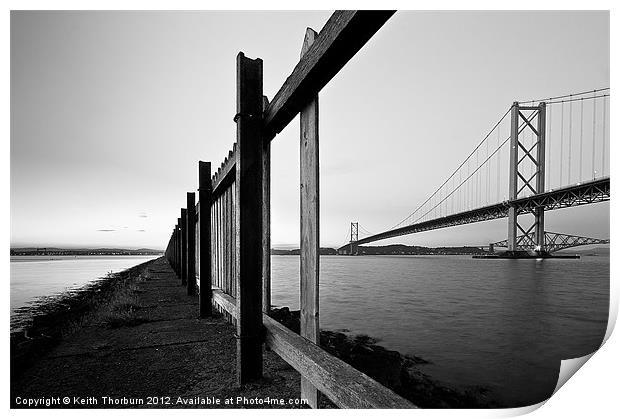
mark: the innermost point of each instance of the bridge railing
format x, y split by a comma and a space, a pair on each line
230, 247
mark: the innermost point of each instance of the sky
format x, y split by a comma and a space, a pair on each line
111, 112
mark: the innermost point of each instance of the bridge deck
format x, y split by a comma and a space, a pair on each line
585, 193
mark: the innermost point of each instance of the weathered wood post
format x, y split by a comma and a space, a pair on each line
266, 166
178, 264
183, 246
309, 225
191, 243
204, 197
171, 259
178, 267
248, 219
172, 247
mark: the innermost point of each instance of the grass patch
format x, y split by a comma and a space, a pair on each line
122, 309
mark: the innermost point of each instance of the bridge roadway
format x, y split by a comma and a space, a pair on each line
570, 196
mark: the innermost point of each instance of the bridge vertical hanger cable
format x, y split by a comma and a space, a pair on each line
570, 137
488, 176
460, 197
548, 151
561, 144
604, 133
468, 190
593, 136
581, 143
452, 199
477, 183
439, 197
499, 154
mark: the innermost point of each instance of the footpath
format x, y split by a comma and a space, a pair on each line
147, 347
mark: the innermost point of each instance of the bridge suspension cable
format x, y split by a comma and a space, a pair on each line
455, 171
521, 127
466, 188
578, 138
364, 230
570, 95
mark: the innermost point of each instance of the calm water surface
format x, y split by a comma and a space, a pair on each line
501, 324
36, 277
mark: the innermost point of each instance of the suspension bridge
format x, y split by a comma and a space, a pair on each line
541, 155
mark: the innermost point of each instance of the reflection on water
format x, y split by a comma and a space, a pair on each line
501, 324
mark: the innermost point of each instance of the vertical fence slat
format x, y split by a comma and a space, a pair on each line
227, 249
221, 242
218, 238
230, 249
309, 225
234, 238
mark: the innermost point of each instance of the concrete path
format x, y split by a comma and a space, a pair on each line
172, 359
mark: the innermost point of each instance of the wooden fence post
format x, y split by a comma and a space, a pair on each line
309, 225
191, 243
204, 197
174, 254
179, 241
183, 246
248, 219
173, 248
266, 165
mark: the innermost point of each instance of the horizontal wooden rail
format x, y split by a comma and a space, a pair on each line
343, 35
225, 301
347, 387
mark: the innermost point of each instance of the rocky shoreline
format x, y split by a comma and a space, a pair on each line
392, 369
43, 325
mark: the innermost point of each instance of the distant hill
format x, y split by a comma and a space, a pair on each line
401, 249
55, 251
295, 252
395, 249
596, 251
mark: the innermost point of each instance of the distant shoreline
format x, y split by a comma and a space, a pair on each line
47, 251
394, 249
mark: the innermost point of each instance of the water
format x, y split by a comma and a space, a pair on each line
501, 324
37, 277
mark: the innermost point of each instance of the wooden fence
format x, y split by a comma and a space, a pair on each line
223, 241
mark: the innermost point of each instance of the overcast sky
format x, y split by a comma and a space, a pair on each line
111, 111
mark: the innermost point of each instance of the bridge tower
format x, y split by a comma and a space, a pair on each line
521, 180
354, 238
